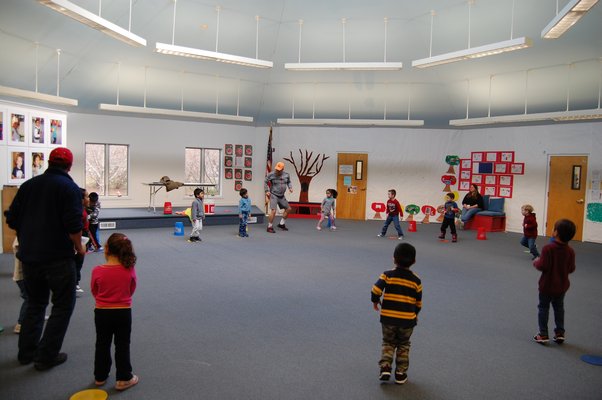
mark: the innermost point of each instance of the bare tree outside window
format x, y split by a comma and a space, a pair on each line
107, 169
203, 166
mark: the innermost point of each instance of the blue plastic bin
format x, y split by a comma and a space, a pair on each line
179, 230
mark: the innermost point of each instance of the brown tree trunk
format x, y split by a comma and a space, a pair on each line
304, 180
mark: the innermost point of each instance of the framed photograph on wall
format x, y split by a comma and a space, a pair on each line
228, 161
237, 185
506, 156
489, 191
517, 168
39, 161
465, 163
501, 168
504, 191
465, 175
2, 125
506, 180
238, 150
248, 150
237, 173
18, 127
464, 185
37, 134
477, 179
57, 133
18, 165
248, 162
228, 149
248, 175
476, 156
228, 173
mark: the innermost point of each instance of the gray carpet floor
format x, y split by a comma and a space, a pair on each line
288, 316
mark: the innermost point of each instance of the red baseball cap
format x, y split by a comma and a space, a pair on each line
61, 156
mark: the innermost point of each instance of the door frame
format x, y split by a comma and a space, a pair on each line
547, 197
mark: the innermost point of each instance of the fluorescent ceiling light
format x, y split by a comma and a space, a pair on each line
349, 122
345, 66
566, 18
174, 50
576, 115
474, 52
94, 21
47, 98
174, 113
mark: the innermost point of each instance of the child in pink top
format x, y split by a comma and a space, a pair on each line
112, 286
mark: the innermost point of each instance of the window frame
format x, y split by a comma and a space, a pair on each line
218, 189
107, 166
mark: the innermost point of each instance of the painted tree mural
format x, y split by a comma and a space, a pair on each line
309, 166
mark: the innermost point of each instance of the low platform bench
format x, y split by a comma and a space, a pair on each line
304, 210
492, 218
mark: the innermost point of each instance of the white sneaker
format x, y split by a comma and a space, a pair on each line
400, 237
319, 228
380, 235
333, 228
78, 289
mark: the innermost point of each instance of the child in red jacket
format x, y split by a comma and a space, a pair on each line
394, 213
529, 230
556, 262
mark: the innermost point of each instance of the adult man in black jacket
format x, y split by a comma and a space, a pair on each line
47, 215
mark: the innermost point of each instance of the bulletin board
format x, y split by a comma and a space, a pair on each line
493, 172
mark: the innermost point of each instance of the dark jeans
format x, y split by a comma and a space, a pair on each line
242, 226
117, 324
94, 236
41, 281
79, 264
451, 222
530, 243
395, 220
544, 311
21, 285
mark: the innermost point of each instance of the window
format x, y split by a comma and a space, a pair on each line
107, 169
203, 166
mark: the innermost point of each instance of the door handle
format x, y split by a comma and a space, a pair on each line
580, 201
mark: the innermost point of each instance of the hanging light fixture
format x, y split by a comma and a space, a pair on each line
172, 49
181, 113
344, 66
35, 95
473, 52
96, 21
566, 18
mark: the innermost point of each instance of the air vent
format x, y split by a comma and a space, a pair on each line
107, 225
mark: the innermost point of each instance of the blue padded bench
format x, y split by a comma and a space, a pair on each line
492, 218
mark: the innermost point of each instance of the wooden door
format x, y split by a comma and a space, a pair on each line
8, 235
566, 191
352, 180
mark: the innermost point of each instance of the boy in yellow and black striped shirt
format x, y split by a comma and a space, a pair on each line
401, 293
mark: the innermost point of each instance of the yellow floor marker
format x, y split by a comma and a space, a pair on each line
90, 394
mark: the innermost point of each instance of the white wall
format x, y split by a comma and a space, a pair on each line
413, 160
409, 160
157, 149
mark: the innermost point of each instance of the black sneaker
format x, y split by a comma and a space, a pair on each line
58, 360
541, 339
271, 230
401, 378
559, 338
283, 227
385, 373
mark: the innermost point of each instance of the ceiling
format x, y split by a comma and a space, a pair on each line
94, 68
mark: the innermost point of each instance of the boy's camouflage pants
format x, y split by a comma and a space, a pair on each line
396, 340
